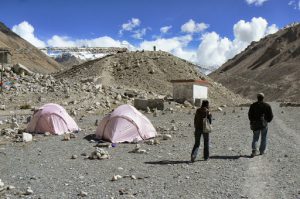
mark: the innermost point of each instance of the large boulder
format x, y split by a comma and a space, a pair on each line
21, 69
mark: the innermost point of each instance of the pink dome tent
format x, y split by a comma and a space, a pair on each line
125, 124
51, 118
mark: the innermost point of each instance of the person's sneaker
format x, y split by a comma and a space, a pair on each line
206, 159
254, 153
193, 158
262, 153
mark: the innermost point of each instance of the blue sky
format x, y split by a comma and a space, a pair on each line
207, 32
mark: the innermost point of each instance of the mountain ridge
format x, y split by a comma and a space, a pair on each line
269, 65
25, 53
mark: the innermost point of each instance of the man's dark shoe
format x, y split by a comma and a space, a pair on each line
193, 158
262, 153
206, 159
254, 153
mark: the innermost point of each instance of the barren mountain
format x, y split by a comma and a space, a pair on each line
270, 65
25, 53
146, 71
68, 60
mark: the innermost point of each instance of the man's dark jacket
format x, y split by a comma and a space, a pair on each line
259, 114
200, 114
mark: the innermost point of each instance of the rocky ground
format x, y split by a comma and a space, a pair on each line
49, 167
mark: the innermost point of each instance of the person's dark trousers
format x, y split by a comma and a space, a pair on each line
263, 143
198, 134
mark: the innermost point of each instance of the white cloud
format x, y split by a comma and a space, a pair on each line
165, 29
212, 49
294, 4
192, 27
138, 34
256, 2
215, 50
250, 31
26, 31
174, 45
167, 44
130, 25
62, 41
272, 29
291, 3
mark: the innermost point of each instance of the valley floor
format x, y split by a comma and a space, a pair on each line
165, 171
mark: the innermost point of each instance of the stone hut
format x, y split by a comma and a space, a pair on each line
5, 56
191, 90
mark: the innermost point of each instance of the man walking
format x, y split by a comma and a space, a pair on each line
260, 114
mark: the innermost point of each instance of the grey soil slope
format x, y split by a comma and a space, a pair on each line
25, 53
165, 172
270, 65
150, 71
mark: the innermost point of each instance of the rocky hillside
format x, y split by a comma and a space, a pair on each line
270, 66
25, 53
148, 71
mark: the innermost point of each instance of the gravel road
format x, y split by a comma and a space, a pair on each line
165, 170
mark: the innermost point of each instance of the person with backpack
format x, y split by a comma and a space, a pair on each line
200, 121
260, 114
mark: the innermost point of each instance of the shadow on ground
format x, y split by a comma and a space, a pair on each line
91, 137
163, 162
221, 157
224, 157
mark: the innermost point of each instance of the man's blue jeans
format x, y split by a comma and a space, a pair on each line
263, 140
198, 134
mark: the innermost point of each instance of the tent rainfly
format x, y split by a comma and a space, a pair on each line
125, 124
52, 118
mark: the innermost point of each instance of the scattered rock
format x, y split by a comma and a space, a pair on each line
47, 134
133, 177
29, 191
1, 183
26, 137
156, 141
66, 137
220, 109
100, 154
74, 157
72, 135
187, 104
174, 128
138, 149
14, 125
73, 112
150, 142
167, 137
155, 113
2, 107
83, 193
116, 177
10, 187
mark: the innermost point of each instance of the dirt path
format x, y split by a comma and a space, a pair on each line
258, 177
283, 140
